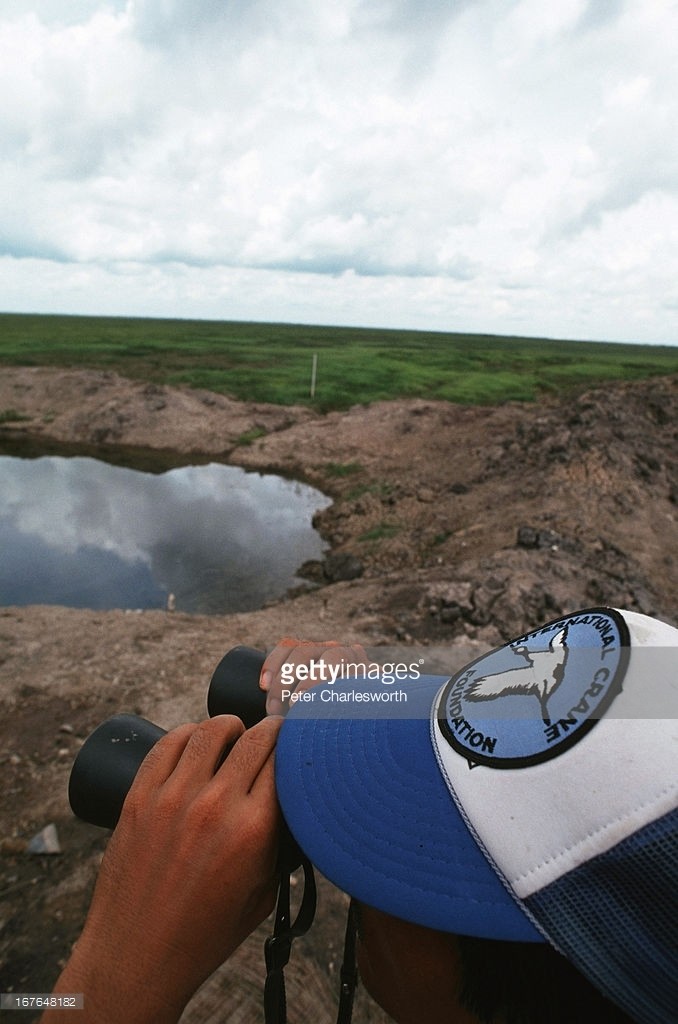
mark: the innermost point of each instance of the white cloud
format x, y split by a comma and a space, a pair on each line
486, 148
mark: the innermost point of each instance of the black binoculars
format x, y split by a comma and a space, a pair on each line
109, 759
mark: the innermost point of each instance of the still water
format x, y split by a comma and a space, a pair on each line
79, 532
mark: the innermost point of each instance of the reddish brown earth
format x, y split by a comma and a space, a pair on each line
452, 528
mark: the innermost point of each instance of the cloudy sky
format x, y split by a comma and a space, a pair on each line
508, 166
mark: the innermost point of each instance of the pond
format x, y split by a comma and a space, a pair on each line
80, 532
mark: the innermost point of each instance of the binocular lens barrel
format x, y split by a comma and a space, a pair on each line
110, 757
106, 765
234, 687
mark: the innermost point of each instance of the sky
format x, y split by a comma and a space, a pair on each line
495, 166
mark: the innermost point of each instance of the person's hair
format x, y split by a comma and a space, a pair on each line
528, 983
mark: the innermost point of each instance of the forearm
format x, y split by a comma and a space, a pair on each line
113, 992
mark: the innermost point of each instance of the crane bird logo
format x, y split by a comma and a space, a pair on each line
540, 674
536, 697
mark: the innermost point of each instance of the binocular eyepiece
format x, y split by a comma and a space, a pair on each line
108, 761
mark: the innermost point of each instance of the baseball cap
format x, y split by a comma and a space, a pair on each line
530, 797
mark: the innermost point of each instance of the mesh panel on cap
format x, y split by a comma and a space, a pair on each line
616, 919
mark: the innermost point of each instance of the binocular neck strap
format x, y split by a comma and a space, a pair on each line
277, 949
349, 970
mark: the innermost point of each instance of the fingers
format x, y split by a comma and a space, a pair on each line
204, 775
279, 656
249, 765
186, 756
282, 673
240, 800
190, 755
208, 745
163, 757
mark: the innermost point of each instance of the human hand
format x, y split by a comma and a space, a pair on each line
296, 665
189, 872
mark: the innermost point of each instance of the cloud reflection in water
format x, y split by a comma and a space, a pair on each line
82, 533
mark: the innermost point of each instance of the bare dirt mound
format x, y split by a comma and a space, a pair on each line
452, 527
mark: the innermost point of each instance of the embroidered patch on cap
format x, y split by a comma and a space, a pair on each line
536, 696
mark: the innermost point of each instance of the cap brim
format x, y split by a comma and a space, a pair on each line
363, 795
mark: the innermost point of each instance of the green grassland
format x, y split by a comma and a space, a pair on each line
272, 362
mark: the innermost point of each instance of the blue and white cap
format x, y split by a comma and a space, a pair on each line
531, 797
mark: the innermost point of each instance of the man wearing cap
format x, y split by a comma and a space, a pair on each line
530, 798
527, 803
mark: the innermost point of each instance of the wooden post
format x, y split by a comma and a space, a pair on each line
314, 373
